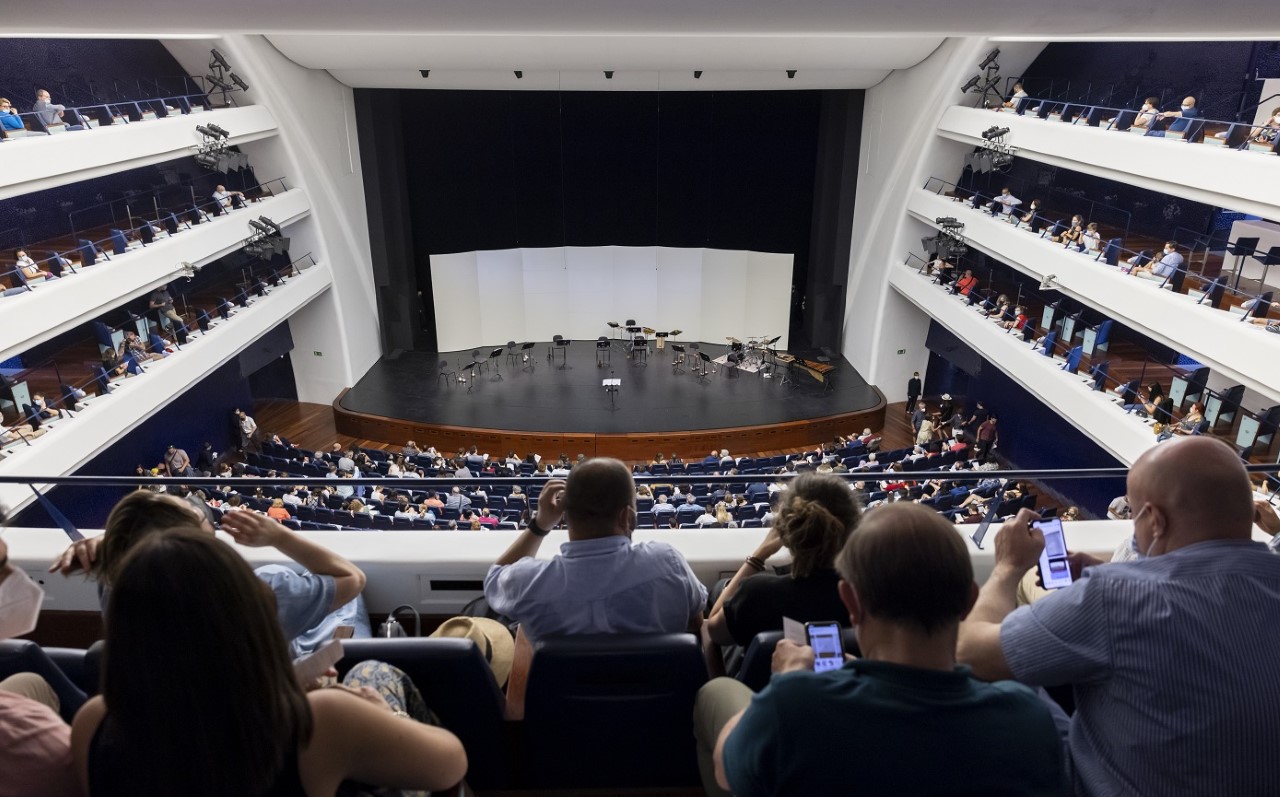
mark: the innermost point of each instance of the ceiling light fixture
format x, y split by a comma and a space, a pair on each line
608, 74
791, 74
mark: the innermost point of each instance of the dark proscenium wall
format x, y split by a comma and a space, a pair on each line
470, 170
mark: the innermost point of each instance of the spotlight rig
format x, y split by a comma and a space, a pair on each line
212, 151
994, 155
267, 239
949, 243
987, 81
221, 77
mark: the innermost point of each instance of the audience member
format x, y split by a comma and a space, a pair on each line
1091, 240
1170, 262
816, 516
601, 582
1181, 118
913, 391
906, 582
223, 197
162, 301
966, 283
9, 118
1147, 114
224, 691
1004, 203
31, 272
1017, 96
49, 112
1072, 234
310, 605
1269, 131
1160, 651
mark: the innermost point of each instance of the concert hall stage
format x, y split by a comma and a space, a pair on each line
542, 407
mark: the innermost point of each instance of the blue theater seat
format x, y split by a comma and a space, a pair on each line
457, 684
612, 711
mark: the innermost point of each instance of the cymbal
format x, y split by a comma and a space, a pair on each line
676, 331
732, 339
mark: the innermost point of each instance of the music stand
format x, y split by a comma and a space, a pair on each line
497, 366
529, 362
611, 386
604, 351
706, 363
471, 368
677, 358
660, 339
615, 328
628, 343
640, 350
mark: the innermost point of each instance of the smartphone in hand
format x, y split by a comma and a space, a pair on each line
827, 644
1055, 569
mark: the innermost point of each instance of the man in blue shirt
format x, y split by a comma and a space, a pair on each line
601, 582
1171, 656
1181, 118
903, 719
1170, 261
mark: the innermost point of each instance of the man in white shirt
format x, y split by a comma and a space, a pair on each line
223, 197
1005, 203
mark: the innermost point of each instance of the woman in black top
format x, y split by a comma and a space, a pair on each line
817, 513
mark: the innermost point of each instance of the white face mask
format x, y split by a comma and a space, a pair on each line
1186, 108
1276, 119
1137, 552
20, 600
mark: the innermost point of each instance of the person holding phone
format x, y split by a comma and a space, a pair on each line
1168, 655
906, 581
816, 515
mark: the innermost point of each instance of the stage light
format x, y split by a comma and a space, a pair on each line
275, 227
206, 132
260, 227
218, 83
971, 85
207, 160
791, 74
946, 221
995, 132
608, 74
218, 59
220, 131
990, 59
519, 74
236, 80
697, 74
426, 73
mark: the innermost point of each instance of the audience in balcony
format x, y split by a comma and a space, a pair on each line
600, 582
1181, 118
1017, 96
49, 112
906, 582
9, 118
223, 197
224, 691
1004, 203
1147, 114
1091, 240
966, 283
1159, 650
1073, 234
1169, 262
161, 300
1269, 131
31, 272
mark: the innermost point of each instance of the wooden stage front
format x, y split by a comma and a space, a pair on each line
542, 407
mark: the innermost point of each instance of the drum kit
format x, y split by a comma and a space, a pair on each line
753, 353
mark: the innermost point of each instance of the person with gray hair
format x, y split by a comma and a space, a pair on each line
906, 582
601, 582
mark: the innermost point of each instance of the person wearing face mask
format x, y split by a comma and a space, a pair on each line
1269, 131
1170, 261
1147, 114
601, 582
1160, 651
1181, 118
1004, 203
35, 742
906, 581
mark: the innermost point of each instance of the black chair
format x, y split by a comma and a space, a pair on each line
445, 373
560, 344
513, 357
756, 668
612, 711
604, 351
457, 684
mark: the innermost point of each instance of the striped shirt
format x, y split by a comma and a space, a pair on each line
1172, 659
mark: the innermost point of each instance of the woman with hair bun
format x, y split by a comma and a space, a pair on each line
817, 513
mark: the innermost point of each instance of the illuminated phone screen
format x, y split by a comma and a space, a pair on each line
828, 648
1055, 570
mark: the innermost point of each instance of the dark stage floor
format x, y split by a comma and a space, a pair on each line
548, 399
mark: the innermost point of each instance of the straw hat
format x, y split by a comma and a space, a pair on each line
491, 636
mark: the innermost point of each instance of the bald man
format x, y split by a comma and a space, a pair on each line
601, 582
1171, 656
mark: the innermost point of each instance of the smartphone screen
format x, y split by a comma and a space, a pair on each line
828, 648
1055, 570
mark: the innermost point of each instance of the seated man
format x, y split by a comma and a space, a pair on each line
1004, 203
966, 283
1161, 652
906, 581
689, 511
46, 109
223, 197
1168, 263
1181, 118
662, 510
1018, 94
162, 301
601, 582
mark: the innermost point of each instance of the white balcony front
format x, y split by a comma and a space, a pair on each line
73, 441
37, 162
53, 307
1208, 173
1239, 351
1097, 414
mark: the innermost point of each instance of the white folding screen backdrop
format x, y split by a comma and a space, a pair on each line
491, 297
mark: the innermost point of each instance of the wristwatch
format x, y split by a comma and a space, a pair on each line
535, 529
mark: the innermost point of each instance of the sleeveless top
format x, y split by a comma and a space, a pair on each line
107, 775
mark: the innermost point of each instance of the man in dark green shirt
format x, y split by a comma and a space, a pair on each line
902, 720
